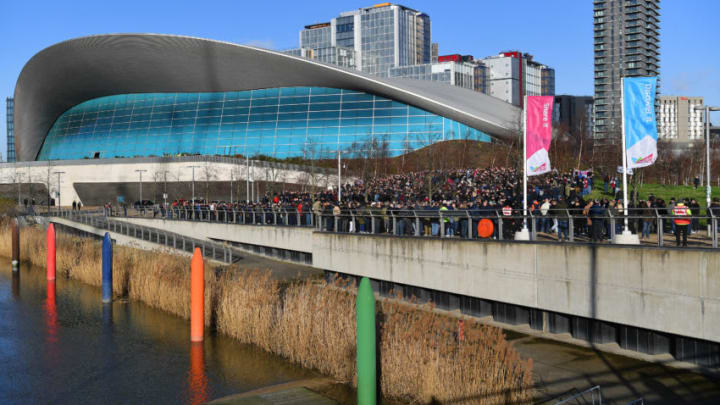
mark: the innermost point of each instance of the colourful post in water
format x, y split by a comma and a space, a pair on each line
107, 269
197, 297
51, 252
15, 245
366, 351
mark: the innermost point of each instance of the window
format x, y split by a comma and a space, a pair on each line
280, 122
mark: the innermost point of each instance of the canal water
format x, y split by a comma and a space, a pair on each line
59, 344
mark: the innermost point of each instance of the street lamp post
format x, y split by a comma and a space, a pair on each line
193, 183
140, 172
339, 175
58, 188
165, 187
17, 179
708, 189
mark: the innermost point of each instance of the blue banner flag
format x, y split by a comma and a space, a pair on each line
639, 121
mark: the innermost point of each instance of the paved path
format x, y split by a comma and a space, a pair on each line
562, 369
292, 393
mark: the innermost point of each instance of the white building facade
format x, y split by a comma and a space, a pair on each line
678, 121
512, 75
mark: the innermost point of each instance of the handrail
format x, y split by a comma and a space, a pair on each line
592, 391
212, 250
570, 224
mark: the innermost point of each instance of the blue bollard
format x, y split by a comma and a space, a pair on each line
107, 269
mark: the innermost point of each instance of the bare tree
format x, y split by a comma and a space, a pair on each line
208, 174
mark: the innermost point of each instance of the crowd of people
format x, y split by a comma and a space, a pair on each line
410, 204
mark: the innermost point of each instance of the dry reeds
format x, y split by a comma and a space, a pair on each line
311, 323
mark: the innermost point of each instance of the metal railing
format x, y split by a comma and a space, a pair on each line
581, 397
95, 218
571, 225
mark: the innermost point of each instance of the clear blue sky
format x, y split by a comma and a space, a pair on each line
557, 32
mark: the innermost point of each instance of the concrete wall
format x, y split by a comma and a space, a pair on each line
675, 291
103, 172
672, 291
290, 238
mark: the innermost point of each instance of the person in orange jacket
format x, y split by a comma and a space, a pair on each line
682, 222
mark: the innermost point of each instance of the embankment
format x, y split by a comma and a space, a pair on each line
311, 323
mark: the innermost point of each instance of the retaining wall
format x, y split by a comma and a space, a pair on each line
668, 290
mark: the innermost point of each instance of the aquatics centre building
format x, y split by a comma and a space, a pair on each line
124, 96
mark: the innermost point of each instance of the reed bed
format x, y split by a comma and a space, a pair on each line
311, 323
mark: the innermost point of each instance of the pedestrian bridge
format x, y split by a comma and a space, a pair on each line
649, 299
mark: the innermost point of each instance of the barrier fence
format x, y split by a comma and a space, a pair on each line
95, 218
654, 225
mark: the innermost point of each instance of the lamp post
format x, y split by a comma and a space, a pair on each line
247, 179
17, 179
58, 188
165, 172
193, 183
708, 190
140, 172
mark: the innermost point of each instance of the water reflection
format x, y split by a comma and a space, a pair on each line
16, 284
62, 338
51, 327
197, 381
51, 317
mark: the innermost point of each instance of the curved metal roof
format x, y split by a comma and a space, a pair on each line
71, 72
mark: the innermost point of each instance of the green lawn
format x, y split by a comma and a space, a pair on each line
663, 191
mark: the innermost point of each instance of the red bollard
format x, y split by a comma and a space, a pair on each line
461, 330
51, 253
197, 297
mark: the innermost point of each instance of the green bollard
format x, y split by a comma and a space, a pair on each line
366, 351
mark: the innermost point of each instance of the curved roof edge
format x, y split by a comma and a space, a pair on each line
71, 72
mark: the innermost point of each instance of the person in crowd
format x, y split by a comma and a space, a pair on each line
647, 219
694, 206
596, 215
682, 222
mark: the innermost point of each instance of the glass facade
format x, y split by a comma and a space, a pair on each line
316, 36
309, 122
10, 110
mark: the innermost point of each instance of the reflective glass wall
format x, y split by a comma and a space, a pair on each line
309, 122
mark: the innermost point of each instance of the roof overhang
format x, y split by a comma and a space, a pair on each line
71, 72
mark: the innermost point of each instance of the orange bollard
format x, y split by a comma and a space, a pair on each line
197, 380
51, 253
197, 297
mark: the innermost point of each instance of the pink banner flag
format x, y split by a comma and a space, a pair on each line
538, 133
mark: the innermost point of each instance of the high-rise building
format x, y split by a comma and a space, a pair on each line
574, 111
512, 75
10, 109
678, 121
383, 36
626, 45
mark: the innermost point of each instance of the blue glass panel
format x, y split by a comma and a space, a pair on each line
280, 122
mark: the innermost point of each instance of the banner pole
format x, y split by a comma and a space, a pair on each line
524, 158
624, 154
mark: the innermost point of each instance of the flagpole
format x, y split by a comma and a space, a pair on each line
624, 151
524, 158
524, 233
625, 237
